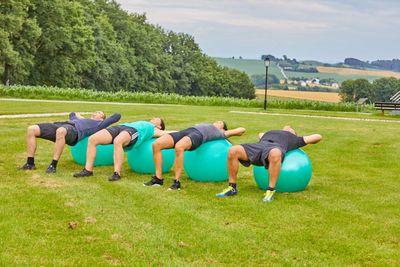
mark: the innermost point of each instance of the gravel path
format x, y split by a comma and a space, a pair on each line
315, 116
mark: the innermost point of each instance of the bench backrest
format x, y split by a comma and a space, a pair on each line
396, 97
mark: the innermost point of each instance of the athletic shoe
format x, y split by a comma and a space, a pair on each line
269, 196
83, 173
27, 166
114, 177
175, 186
230, 191
154, 182
51, 169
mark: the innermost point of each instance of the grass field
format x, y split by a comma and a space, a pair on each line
348, 215
317, 96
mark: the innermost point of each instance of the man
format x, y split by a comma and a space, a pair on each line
188, 139
61, 133
268, 152
124, 137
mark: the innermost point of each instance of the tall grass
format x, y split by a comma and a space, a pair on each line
43, 92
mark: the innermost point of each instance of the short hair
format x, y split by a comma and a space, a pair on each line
225, 126
162, 124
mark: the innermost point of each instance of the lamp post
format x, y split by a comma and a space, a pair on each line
266, 63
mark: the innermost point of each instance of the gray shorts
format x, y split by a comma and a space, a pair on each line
258, 153
48, 132
195, 136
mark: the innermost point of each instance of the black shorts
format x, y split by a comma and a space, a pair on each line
48, 132
116, 130
258, 153
195, 136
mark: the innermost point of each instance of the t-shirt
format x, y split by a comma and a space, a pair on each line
209, 132
145, 131
86, 127
284, 139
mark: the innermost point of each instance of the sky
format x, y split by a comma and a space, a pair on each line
324, 30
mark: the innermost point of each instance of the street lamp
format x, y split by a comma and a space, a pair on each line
266, 63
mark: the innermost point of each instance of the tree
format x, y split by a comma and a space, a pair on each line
352, 90
19, 33
384, 88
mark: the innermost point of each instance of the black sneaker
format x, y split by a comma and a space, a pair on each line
175, 186
27, 166
83, 173
114, 177
51, 169
154, 182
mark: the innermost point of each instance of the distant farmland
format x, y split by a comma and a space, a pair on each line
348, 71
256, 66
316, 96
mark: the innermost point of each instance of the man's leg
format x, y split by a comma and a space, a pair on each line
32, 133
164, 142
184, 144
235, 154
61, 132
122, 140
161, 143
102, 137
274, 168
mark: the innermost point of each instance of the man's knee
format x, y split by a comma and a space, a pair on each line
33, 130
179, 149
275, 155
61, 132
157, 145
234, 152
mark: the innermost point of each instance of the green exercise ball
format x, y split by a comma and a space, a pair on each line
208, 163
140, 158
294, 176
104, 156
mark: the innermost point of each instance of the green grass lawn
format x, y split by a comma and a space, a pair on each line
348, 215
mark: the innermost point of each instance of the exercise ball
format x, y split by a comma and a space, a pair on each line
208, 163
294, 176
104, 156
140, 158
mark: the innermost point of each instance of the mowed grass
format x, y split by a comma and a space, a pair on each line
348, 215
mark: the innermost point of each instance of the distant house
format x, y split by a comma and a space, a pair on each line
315, 81
308, 82
335, 85
303, 83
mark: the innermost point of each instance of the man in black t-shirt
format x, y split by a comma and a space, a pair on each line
268, 152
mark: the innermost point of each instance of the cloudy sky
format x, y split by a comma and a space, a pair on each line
326, 30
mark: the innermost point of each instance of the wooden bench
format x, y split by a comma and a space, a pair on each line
387, 106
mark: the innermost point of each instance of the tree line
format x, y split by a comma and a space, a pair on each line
95, 44
380, 90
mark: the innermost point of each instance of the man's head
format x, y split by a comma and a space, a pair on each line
221, 125
158, 122
98, 115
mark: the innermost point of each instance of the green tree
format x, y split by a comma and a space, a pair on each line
66, 46
352, 90
384, 88
19, 33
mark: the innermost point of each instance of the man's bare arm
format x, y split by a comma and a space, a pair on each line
312, 139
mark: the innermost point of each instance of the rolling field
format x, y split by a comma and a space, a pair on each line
255, 66
316, 96
348, 215
348, 71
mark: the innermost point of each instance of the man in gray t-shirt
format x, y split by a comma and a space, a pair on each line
188, 139
268, 152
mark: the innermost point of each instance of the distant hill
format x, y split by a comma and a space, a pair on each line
256, 67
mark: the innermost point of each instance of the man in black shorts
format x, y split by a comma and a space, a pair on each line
61, 133
124, 137
188, 139
268, 152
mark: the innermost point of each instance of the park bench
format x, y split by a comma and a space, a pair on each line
393, 105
